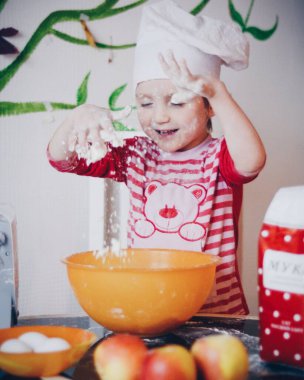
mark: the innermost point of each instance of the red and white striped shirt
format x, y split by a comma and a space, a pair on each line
183, 200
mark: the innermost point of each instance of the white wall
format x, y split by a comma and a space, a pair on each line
61, 214
271, 92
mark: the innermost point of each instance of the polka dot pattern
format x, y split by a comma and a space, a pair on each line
286, 296
286, 335
281, 299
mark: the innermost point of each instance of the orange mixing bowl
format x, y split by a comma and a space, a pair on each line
146, 292
46, 364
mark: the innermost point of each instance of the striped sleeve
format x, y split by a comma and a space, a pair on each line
228, 170
113, 165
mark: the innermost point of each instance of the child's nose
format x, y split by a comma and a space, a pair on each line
161, 115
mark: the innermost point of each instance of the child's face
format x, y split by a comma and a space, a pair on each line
173, 127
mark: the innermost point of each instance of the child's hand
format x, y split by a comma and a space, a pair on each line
89, 128
188, 85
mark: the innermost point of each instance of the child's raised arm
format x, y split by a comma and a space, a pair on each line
243, 142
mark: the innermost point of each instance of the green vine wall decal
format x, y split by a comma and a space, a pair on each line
259, 34
2, 3
104, 10
12, 108
199, 7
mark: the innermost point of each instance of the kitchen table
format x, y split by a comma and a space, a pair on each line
245, 328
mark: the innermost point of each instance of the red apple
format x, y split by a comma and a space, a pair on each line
221, 357
120, 357
170, 362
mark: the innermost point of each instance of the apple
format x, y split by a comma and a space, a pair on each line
221, 357
170, 362
119, 357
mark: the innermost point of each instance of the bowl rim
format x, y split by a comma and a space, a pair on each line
215, 260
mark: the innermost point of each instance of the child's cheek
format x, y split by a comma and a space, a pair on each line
187, 113
141, 118
191, 122
197, 116
145, 118
145, 121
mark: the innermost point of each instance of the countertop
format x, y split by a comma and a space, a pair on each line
245, 328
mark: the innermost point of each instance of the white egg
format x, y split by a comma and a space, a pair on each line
15, 346
53, 344
33, 339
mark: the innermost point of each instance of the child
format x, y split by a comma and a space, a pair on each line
185, 186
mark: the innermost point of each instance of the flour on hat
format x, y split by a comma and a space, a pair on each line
205, 43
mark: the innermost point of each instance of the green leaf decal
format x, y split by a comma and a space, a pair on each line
114, 96
2, 4
261, 34
120, 127
82, 92
235, 15
12, 109
201, 5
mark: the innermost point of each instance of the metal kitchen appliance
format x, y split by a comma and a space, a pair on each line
8, 267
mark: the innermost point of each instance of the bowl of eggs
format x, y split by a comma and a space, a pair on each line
36, 351
146, 292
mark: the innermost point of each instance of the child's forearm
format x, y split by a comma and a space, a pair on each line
243, 142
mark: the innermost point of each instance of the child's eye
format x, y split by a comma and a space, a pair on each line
177, 104
146, 105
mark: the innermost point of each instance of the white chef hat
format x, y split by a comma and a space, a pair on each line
205, 43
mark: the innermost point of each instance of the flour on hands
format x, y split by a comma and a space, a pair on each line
188, 85
92, 129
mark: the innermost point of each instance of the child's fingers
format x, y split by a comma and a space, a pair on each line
173, 64
185, 69
169, 65
106, 122
94, 136
182, 96
122, 114
164, 64
82, 141
97, 152
72, 141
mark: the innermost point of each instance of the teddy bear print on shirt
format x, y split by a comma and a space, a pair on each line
172, 208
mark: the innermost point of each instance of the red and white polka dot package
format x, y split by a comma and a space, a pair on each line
281, 279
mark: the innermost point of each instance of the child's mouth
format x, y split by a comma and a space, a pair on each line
166, 132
